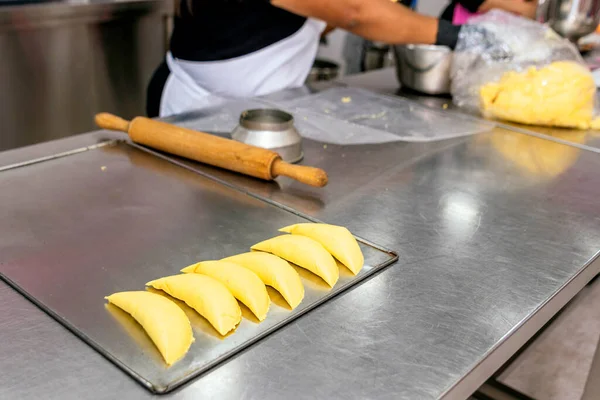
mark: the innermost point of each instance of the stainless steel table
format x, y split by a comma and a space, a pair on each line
491, 247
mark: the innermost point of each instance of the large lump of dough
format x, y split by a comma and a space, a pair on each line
560, 94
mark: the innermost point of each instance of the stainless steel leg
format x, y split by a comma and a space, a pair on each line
494, 390
592, 385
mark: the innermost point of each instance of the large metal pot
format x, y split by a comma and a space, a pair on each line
572, 19
424, 68
323, 70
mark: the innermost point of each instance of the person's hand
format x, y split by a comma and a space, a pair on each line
447, 34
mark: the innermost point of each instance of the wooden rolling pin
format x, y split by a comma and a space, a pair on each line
213, 150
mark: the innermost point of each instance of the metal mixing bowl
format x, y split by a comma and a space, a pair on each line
270, 129
424, 68
572, 19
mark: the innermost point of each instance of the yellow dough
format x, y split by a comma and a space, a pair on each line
336, 239
209, 297
244, 284
274, 272
560, 94
166, 323
304, 252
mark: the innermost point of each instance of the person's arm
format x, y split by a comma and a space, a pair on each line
328, 30
376, 20
524, 8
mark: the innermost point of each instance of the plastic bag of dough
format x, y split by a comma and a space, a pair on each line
512, 68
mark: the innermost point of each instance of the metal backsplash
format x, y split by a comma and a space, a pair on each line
60, 63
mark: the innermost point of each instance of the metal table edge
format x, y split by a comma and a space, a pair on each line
520, 334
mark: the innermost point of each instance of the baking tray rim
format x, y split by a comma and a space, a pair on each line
216, 362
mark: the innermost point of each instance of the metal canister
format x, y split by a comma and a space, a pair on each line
270, 129
424, 68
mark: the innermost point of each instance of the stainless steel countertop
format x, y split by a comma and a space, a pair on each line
495, 232
384, 81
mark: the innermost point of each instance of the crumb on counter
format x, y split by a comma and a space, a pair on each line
325, 146
103, 168
445, 106
346, 99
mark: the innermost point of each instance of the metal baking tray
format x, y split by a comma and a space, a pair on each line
109, 218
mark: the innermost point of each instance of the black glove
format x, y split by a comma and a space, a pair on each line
447, 34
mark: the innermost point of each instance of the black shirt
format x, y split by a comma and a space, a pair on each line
470, 5
215, 30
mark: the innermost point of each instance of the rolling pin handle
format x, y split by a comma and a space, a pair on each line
112, 122
308, 175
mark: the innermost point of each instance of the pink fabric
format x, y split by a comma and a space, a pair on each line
461, 15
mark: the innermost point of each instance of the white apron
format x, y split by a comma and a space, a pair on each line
193, 85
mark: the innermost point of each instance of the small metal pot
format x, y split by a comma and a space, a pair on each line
270, 129
323, 70
376, 56
424, 68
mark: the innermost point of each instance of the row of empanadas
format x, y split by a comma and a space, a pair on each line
212, 287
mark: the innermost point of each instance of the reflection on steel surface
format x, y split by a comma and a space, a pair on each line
539, 157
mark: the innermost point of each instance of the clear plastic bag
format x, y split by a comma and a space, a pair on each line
497, 42
343, 116
348, 116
